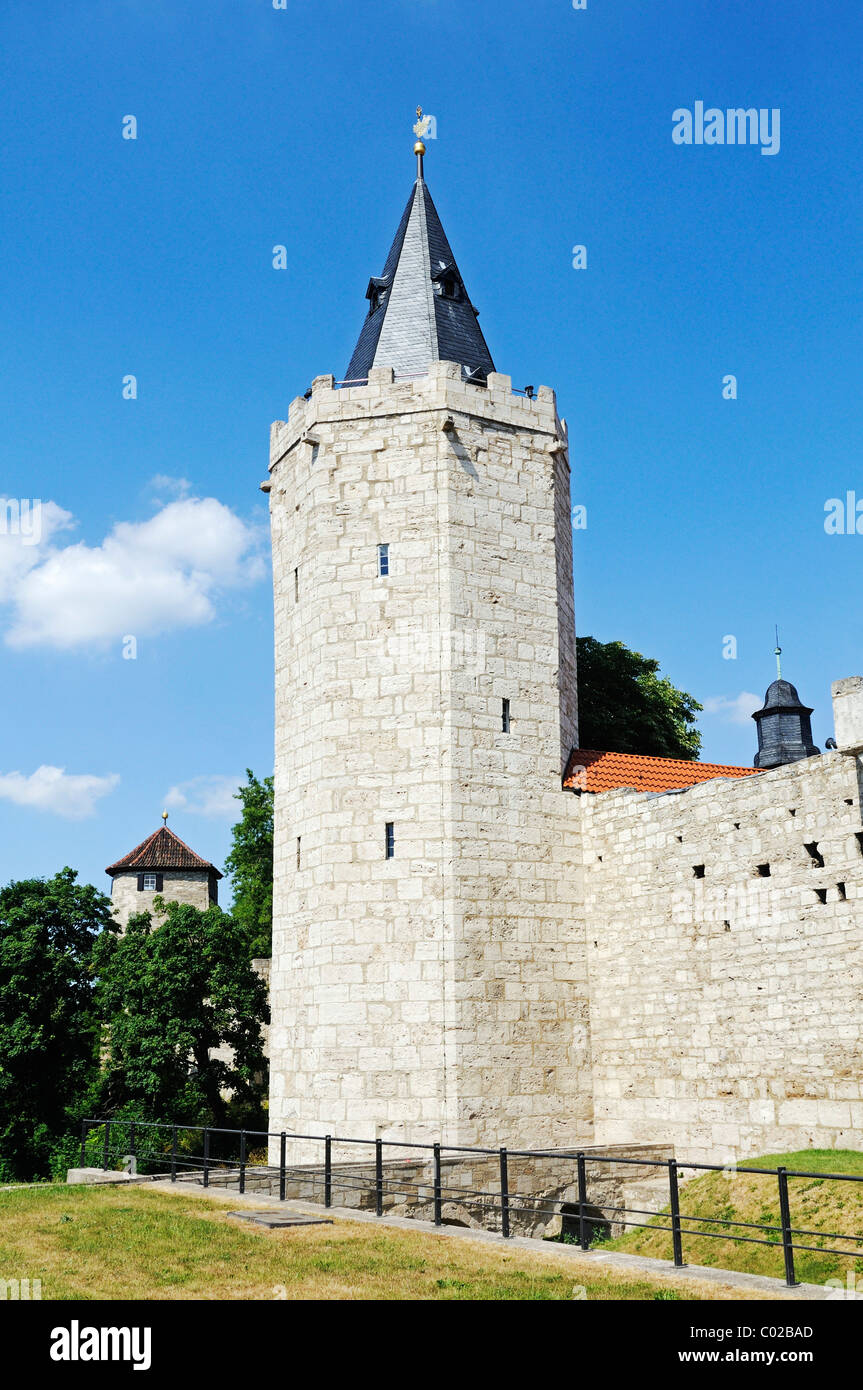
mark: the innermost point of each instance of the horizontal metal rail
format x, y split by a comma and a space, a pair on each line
375, 1180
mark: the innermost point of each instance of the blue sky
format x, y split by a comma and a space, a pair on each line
259, 127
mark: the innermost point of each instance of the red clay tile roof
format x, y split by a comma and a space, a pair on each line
592, 771
162, 850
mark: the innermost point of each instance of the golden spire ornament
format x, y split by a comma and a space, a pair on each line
165, 817
422, 125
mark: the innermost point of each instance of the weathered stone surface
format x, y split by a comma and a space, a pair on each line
192, 886
848, 713
422, 996
726, 1010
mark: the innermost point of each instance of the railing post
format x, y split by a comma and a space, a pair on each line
582, 1203
676, 1234
785, 1222
83, 1143
504, 1195
132, 1154
283, 1139
379, 1177
206, 1158
173, 1153
328, 1170
107, 1148
242, 1160
438, 1217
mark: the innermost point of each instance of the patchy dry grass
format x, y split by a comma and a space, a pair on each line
136, 1243
817, 1204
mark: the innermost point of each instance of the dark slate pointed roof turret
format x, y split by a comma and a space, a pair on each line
784, 727
419, 310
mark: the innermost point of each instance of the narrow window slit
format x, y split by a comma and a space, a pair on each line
504, 716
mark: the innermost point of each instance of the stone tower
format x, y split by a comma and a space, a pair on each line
161, 865
428, 979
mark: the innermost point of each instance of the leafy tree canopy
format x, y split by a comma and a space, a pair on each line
173, 993
625, 706
48, 1027
250, 864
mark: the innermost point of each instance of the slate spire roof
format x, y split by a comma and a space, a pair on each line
162, 850
784, 727
419, 310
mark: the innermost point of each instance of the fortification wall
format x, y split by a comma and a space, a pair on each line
724, 930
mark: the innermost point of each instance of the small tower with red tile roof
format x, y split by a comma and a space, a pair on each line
161, 866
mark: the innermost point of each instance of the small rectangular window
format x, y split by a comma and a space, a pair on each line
299, 839
504, 716
316, 448
390, 840
149, 883
383, 560
296, 586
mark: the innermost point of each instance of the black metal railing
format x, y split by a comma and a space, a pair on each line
227, 1151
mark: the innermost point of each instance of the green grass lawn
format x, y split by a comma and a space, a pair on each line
817, 1204
137, 1243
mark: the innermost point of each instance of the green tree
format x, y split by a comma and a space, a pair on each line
49, 1030
250, 864
172, 992
625, 706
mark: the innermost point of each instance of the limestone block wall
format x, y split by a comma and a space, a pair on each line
724, 930
193, 886
440, 993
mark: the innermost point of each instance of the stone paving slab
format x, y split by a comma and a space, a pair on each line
275, 1220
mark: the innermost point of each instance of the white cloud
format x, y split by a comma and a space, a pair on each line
53, 789
206, 796
145, 578
733, 709
163, 485
26, 528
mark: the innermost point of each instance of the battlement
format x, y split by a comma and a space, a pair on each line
383, 394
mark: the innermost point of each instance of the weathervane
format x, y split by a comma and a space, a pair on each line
422, 125
777, 652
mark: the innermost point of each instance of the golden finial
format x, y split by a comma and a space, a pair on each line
422, 125
165, 817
